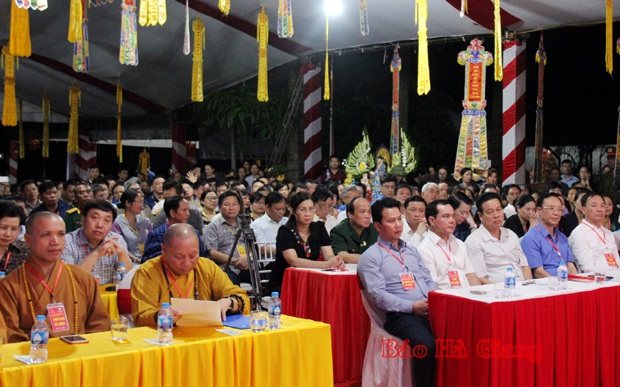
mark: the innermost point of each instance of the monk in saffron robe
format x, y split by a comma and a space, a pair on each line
180, 272
46, 286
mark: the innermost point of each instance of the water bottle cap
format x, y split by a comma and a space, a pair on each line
165, 305
275, 294
562, 263
39, 318
2, 273
122, 264
510, 269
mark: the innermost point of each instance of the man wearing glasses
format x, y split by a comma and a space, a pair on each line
266, 227
544, 245
325, 211
388, 185
73, 217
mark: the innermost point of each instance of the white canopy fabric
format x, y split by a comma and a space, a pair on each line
162, 80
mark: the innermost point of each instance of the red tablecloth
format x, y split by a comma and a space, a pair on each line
578, 335
335, 300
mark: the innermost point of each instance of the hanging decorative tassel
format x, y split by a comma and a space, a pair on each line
541, 59
46, 126
199, 44
145, 162
22, 150
19, 40
75, 21
395, 68
119, 140
285, 19
609, 24
80, 48
9, 111
327, 93
224, 6
499, 62
364, 18
186, 42
618, 51
152, 12
424, 78
128, 53
75, 101
262, 37
464, 8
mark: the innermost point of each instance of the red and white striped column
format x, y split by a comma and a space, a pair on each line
312, 121
183, 153
13, 157
77, 164
513, 144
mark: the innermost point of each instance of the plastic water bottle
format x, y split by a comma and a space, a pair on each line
164, 324
2, 275
275, 310
39, 337
563, 275
120, 273
510, 283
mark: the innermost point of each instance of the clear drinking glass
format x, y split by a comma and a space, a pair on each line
258, 320
498, 290
554, 283
119, 328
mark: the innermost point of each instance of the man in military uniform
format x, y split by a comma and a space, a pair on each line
73, 217
353, 236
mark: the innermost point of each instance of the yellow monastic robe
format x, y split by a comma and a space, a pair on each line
149, 288
92, 313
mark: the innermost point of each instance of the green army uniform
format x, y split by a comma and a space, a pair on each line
344, 238
73, 220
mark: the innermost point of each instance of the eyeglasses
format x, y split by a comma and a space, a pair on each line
553, 209
213, 198
324, 207
307, 210
389, 187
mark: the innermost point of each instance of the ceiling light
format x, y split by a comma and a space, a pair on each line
333, 7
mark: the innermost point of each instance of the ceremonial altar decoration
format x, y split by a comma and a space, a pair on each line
128, 53
145, 162
406, 161
75, 99
541, 59
395, 68
472, 149
80, 46
285, 19
9, 110
360, 160
199, 46
262, 37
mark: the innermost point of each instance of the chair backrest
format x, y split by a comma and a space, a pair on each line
266, 251
374, 316
123, 293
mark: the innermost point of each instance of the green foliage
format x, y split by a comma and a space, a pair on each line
361, 159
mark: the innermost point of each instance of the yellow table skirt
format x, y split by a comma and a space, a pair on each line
109, 300
299, 354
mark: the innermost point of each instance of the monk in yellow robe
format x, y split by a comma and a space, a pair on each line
46, 286
180, 272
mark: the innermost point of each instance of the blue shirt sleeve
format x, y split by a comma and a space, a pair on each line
531, 249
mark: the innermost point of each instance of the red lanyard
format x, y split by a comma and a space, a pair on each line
8, 256
596, 232
189, 288
399, 261
549, 240
444, 251
43, 282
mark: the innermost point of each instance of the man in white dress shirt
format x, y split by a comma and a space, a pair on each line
414, 226
445, 256
493, 249
266, 227
513, 193
430, 192
593, 246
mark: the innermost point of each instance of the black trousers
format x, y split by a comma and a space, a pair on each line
237, 279
417, 330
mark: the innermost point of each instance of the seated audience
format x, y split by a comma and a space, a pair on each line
130, 225
512, 194
75, 288
444, 255
430, 192
349, 193
94, 247
465, 224
325, 212
266, 227
191, 276
73, 217
544, 245
525, 218
302, 242
173, 188
48, 193
414, 225
354, 235
13, 252
257, 202
403, 192
575, 217
209, 204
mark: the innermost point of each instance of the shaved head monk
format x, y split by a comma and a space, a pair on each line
180, 272
45, 285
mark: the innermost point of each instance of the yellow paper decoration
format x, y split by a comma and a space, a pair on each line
262, 37
224, 6
199, 46
22, 150
609, 24
145, 158
46, 126
424, 78
75, 21
9, 111
19, 41
499, 62
152, 12
327, 93
75, 101
119, 140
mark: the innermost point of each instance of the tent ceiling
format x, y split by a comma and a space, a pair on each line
162, 80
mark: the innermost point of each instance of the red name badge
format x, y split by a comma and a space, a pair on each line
454, 278
58, 317
408, 281
611, 260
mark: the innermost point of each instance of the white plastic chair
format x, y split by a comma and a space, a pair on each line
379, 371
123, 297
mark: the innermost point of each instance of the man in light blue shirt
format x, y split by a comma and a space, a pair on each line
396, 284
567, 170
544, 245
266, 227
